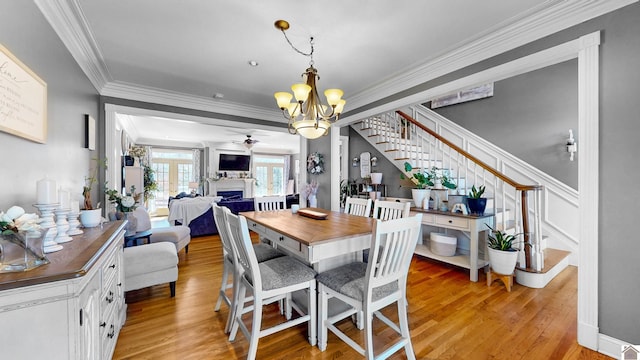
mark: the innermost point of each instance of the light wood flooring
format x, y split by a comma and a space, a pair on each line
449, 318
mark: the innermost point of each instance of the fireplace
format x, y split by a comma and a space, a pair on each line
244, 186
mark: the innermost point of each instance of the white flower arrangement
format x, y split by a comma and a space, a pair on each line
138, 151
15, 220
315, 163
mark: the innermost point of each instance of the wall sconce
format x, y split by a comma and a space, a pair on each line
355, 161
374, 161
572, 146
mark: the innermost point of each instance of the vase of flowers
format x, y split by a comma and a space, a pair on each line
21, 241
138, 152
310, 192
125, 204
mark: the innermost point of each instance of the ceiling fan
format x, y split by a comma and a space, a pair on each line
248, 142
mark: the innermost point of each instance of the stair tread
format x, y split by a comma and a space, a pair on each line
551, 258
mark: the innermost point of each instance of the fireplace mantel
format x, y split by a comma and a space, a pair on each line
244, 185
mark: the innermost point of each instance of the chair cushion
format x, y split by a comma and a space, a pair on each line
349, 280
283, 271
266, 252
148, 258
144, 220
172, 233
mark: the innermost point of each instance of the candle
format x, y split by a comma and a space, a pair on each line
75, 206
46, 192
65, 199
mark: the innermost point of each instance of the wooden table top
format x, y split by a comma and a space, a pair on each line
308, 231
75, 260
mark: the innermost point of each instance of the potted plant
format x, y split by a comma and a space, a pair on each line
502, 255
150, 183
91, 215
475, 201
424, 181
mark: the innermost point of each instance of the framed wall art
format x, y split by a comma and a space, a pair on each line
90, 132
23, 99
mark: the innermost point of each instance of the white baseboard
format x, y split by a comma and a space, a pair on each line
610, 346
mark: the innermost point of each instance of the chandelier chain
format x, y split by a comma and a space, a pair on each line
310, 54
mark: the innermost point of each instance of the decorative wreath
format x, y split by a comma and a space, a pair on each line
315, 163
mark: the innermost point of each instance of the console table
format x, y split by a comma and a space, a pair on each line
476, 226
71, 308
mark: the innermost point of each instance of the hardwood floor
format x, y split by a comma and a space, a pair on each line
450, 318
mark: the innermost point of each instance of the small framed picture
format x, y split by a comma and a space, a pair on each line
90, 132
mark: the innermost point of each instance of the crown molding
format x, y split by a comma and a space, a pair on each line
551, 16
160, 96
543, 20
68, 21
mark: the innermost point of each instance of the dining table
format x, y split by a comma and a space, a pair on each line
324, 239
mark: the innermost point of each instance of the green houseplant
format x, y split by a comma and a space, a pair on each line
477, 204
424, 181
150, 183
502, 255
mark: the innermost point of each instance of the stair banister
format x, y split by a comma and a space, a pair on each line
524, 189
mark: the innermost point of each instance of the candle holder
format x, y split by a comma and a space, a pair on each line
62, 225
46, 214
74, 223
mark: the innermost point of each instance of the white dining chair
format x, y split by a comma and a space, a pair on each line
371, 287
389, 210
269, 281
263, 252
268, 203
357, 206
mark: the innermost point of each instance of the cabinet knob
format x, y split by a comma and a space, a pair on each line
109, 298
103, 324
450, 221
113, 266
281, 238
111, 333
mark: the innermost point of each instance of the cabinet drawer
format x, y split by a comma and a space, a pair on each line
109, 331
109, 299
428, 219
283, 241
453, 222
110, 268
257, 228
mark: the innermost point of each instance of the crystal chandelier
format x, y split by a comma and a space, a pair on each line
307, 115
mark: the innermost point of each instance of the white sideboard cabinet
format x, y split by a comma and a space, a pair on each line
72, 308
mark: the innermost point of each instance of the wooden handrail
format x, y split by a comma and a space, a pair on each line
482, 164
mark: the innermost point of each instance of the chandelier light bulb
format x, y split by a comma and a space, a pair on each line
333, 96
283, 99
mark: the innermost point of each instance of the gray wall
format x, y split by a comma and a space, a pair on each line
529, 116
27, 34
619, 247
322, 145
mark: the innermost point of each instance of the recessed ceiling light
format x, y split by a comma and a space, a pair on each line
253, 63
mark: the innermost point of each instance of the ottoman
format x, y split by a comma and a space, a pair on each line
150, 264
179, 236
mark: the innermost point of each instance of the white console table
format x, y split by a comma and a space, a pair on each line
476, 226
244, 185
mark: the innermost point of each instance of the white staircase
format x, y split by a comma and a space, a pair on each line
403, 139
